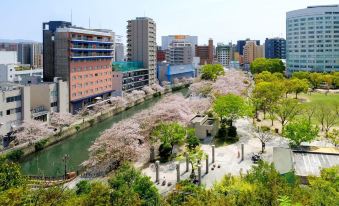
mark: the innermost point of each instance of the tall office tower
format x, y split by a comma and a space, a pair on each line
312, 39
205, 53
36, 55
223, 54
119, 49
275, 48
30, 53
25, 53
83, 57
249, 52
241, 44
166, 41
141, 44
179, 53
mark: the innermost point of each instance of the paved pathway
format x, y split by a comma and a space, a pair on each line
226, 157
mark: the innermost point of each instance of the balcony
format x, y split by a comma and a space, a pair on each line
92, 40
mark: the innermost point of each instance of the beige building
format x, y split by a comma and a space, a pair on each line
252, 51
19, 103
141, 44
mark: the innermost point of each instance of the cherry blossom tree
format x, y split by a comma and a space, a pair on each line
129, 139
148, 90
32, 130
62, 120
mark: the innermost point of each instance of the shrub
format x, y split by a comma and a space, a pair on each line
83, 187
15, 155
91, 122
40, 145
157, 94
232, 131
165, 152
77, 127
222, 133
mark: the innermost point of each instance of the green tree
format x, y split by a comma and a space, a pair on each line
328, 79
130, 187
267, 94
286, 110
301, 75
192, 141
230, 107
334, 137
10, 175
272, 65
300, 131
169, 134
315, 80
298, 86
212, 71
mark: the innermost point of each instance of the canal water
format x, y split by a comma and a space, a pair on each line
49, 162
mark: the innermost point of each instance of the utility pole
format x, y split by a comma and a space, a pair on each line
65, 158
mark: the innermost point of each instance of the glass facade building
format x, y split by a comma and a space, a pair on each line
312, 39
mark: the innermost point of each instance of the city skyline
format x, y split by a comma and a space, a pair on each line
172, 17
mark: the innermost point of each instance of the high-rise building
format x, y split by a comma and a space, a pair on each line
25, 53
161, 54
206, 53
275, 48
82, 57
241, 44
30, 53
223, 54
119, 52
119, 49
166, 41
252, 51
179, 53
141, 44
8, 46
312, 39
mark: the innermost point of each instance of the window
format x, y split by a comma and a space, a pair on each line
54, 104
18, 110
8, 112
13, 99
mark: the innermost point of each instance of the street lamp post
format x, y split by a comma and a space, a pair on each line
65, 158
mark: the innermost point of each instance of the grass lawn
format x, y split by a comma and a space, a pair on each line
318, 98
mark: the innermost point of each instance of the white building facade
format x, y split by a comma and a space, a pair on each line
312, 39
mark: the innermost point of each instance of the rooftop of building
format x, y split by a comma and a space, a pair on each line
305, 161
313, 10
127, 66
9, 86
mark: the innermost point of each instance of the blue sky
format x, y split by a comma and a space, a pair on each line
222, 20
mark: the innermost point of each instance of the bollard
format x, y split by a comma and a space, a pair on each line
178, 172
152, 154
187, 162
242, 152
213, 153
199, 174
157, 166
206, 164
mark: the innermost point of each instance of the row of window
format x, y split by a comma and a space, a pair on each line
314, 18
90, 91
85, 76
79, 69
311, 37
313, 50
74, 86
11, 111
13, 99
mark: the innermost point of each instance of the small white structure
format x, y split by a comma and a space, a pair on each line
204, 126
20, 73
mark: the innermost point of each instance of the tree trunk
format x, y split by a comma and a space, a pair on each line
264, 113
272, 122
296, 95
262, 147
